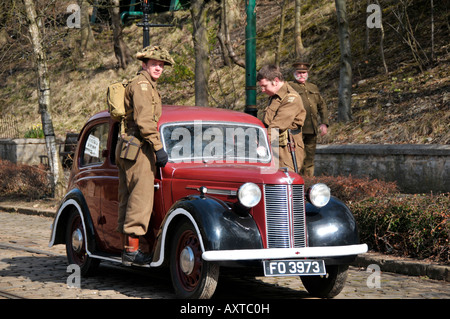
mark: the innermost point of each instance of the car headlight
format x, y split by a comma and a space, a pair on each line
319, 195
249, 195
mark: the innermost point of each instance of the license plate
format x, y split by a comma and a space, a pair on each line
294, 267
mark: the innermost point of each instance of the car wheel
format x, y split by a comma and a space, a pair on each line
76, 246
192, 277
329, 285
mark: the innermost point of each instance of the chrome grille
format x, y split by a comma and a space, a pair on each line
285, 217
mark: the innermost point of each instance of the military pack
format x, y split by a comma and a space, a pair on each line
115, 99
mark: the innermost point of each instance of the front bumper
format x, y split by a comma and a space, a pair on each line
284, 253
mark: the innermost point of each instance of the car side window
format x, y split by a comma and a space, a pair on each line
94, 145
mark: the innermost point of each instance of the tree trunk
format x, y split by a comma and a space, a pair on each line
57, 175
280, 38
299, 48
345, 80
201, 49
87, 37
432, 31
383, 59
121, 50
227, 41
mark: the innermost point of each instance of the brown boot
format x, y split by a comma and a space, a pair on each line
132, 255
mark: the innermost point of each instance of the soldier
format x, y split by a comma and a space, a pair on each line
315, 106
136, 176
285, 112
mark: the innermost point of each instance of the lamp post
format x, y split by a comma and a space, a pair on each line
250, 59
146, 25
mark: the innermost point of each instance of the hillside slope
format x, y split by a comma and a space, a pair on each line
407, 105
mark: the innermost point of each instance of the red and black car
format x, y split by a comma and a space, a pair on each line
221, 201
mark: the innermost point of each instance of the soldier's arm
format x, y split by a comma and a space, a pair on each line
323, 110
290, 112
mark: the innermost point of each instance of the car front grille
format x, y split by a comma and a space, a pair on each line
285, 216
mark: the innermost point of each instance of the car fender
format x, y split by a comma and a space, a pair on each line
74, 200
217, 225
331, 225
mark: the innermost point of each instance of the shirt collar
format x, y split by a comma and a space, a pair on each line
148, 77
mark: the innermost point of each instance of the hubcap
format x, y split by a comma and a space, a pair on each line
187, 260
77, 240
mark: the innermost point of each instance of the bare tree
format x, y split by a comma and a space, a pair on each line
224, 36
383, 59
299, 48
201, 50
121, 50
345, 76
406, 33
432, 30
44, 99
87, 37
281, 36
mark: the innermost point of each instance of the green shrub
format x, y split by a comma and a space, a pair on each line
35, 132
390, 222
407, 225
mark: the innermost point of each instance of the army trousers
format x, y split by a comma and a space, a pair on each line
309, 141
136, 191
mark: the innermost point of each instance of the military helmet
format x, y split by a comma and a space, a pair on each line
155, 53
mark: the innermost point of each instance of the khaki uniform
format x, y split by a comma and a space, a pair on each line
136, 178
314, 105
286, 111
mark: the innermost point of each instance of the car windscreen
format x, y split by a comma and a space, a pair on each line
201, 141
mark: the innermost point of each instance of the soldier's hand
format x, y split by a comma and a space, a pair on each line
161, 158
323, 129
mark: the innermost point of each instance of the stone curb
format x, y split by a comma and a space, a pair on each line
28, 210
404, 267
386, 263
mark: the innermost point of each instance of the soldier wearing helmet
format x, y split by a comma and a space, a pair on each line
136, 176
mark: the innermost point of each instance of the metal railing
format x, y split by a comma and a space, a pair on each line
9, 127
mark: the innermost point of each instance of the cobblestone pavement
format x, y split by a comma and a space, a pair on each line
30, 269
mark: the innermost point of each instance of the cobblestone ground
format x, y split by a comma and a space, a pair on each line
30, 269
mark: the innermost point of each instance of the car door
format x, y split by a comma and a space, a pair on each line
110, 205
91, 163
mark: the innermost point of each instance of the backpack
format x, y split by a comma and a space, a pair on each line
115, 99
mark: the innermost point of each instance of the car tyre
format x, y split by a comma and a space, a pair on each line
76, 246
329, 285
192, 277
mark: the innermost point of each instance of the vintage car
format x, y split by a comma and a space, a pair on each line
221, 201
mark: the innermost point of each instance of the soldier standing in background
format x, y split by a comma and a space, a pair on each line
137, 174
315, 106
285, 112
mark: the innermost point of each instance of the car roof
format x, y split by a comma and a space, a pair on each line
180, 113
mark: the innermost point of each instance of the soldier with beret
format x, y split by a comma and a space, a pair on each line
136, 176
285, 113
315, 106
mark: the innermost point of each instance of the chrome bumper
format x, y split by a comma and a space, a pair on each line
284, 253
